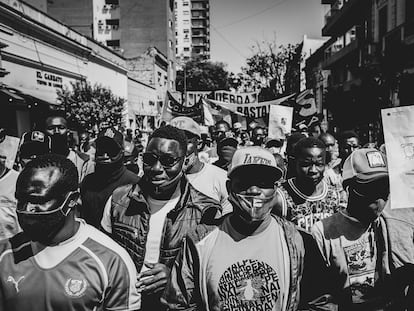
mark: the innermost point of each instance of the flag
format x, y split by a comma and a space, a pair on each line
305, 110
173, 108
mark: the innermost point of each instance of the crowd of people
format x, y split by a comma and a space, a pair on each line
191, 218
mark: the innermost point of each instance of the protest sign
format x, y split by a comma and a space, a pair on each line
280, 121
8, 150
398, 124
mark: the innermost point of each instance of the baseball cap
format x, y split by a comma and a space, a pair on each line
255, 157
34, 143
237, 125
187, 124
365, 165
109, 141
227, 141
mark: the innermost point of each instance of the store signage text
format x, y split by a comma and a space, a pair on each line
49, 79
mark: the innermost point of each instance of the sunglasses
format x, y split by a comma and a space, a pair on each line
165, 160
35, 210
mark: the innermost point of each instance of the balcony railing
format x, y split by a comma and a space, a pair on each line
335, 8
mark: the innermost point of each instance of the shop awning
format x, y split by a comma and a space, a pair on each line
11, 97
27, 97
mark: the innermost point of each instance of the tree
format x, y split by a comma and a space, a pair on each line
202, 76
88, 106
276, 69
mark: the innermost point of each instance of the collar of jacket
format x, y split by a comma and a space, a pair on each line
189, 197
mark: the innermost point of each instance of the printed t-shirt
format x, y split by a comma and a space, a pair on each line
86, 272
211, 181
351, 250
248, 273
304, 210
159, 210
9, 224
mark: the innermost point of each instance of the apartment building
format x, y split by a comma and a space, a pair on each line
192, 29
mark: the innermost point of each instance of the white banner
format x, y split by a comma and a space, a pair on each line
236, 98
280, 121
255, 110
398, 124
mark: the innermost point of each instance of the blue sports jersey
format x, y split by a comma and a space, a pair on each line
87, 272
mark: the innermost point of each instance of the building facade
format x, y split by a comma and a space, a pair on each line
128, 27
40, 56
367, 63
192, 30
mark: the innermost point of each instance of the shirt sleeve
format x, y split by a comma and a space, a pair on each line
106, 217
122, 294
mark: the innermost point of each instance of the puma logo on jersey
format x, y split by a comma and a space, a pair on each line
16, 283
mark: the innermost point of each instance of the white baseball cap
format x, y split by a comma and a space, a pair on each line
255, 156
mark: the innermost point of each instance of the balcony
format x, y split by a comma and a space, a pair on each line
338, 53
328, 1
344, 14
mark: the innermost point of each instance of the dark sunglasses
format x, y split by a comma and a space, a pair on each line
166, 160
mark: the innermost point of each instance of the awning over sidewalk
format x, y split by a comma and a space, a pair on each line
25, 97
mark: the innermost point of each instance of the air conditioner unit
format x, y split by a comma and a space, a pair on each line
115, 27
107, 6
108, 27
100, 22
100, 26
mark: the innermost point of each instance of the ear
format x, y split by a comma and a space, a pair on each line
228, 185
73, 199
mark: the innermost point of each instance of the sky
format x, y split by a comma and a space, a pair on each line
236, 25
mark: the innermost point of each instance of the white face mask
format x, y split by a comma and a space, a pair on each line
253, 207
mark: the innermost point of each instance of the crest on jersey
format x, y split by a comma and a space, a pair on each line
75, 288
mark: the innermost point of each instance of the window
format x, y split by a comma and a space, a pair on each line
186, 30
382, 29
113, 23
170, 23
186, 49
113, 2
113, 43
186, 22
186, 12
186, 40
170, 43
186, 3
409, 10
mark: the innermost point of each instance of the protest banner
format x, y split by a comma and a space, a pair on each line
193, 97
398, 124
173, 108
280, 121
8, 150
236, 98
306, 111
254, 110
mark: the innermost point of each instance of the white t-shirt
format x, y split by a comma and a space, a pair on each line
211, 181
9, 225
248, 273
159, 210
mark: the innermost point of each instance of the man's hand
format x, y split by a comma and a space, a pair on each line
153, 280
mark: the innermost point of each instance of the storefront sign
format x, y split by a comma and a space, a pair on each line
49, 79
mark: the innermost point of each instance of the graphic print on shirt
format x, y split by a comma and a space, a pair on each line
75, 288
15, 282
249, 285
361, 262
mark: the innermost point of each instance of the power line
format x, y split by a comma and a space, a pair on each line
227, 41
252, 15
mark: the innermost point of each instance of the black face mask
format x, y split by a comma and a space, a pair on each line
59, 144
107, 168
43, 227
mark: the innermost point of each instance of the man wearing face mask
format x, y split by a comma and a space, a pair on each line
110, 173
251, 260
225, 151
258, 136
354, 242
205, 177
56, 128
59, 262
151, 218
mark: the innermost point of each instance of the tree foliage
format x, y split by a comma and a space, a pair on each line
87, 106
202, 76
275, 69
